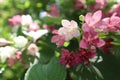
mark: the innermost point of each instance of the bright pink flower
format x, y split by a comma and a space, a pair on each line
67, 58
94, 23
84, 55
34, 26
91, 20
69, 30
54, 11
59, 40
90, 40
15, 20
19, 55
113, 23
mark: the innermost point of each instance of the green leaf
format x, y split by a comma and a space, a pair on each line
50, 20
51, 71
98, 72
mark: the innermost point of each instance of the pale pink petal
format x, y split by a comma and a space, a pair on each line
100, 43
55, 32
106, 20
65, 23
85, 28
83, 44
54, 39
74, 24
115, 20
88, 18
97, 16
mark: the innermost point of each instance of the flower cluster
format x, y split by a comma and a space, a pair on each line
12, 50
93, 26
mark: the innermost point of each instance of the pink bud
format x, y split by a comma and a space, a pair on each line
34, 26
32, 49
4, 42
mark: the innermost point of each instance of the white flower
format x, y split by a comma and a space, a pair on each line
69, 29
36, 34
20, 42
7, 52
26, 20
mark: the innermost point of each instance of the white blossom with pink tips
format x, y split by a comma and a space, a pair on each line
69, 29
32, 49
4, 42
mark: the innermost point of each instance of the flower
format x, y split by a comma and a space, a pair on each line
59, 40
7, 52
36, 34
4, 42
34, 26
67, 58
15, 20
94, 19
112, 23
19, 55
20, 42
84, 55
100, 4
32, 49
26, 20
90, 40
94, 23
69, 29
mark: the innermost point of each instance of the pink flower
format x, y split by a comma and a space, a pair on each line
94, 19
32, 49
69, 30
4, 42
19, 55
115, 9
113, 23
100, 4
33, 26
90, 40
59, 40
54, 11
94, 23
15, 20
67, 58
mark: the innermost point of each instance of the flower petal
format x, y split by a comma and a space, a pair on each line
65, 23
83, 44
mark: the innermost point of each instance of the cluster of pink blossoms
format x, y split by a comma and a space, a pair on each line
25, 20
93, 26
